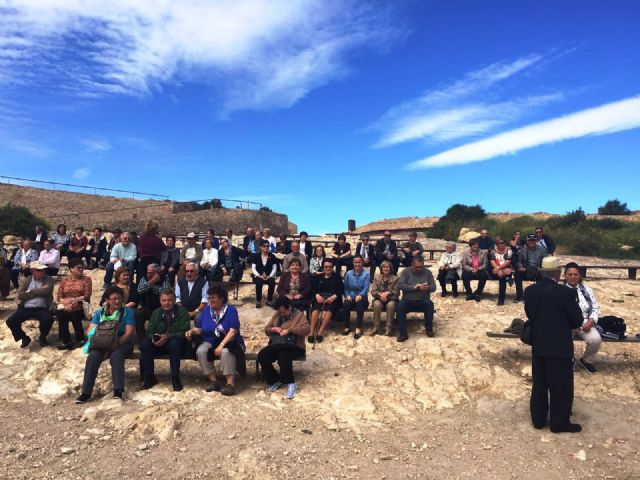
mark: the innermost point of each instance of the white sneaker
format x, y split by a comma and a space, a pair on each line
292, 389
274, 387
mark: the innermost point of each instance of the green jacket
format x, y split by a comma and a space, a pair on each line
180, 325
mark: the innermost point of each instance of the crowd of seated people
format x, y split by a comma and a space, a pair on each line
174, 301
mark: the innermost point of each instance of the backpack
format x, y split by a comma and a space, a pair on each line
105, 337
612, 327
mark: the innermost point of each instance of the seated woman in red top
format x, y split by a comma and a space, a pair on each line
295, 285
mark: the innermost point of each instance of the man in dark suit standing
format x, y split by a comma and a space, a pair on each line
367, 251
386, 249
554, 312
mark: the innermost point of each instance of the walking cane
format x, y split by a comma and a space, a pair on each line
315, 332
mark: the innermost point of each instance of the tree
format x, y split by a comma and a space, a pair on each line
19, 221
614, 207
456, 217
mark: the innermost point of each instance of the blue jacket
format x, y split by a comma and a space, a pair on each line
356, 284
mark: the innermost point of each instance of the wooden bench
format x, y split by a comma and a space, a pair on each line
251, 357
631, 269
629, 339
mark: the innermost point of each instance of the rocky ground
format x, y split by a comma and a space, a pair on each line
454, 406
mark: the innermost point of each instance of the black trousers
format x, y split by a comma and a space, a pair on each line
284, 355
480, 275
142, 316
519, 277
442, 280
359, 307
552, 391
338, 263
75, 317
148, 352
395, 261
15, 321
271, 284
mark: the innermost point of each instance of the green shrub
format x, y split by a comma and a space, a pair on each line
614, 207
19, 221
608, 223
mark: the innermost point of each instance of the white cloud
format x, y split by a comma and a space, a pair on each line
81, 173
96, 144
461, 109
258, 54
609, 118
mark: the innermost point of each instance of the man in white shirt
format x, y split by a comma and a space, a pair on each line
51, 258
191, 291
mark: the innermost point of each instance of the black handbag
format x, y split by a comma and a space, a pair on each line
526, 335
279, 340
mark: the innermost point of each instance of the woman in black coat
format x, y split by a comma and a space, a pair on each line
327, 299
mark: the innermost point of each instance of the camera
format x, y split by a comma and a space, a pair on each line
156, 337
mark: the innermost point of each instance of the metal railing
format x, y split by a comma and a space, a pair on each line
87, 187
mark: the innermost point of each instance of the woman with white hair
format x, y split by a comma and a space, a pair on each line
449, 269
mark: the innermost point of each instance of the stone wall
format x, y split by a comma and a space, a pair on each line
81, 209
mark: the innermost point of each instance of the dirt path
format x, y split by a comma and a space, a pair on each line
455, 406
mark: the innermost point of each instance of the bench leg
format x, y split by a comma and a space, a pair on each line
632, 273
236, 288
431, 255
257, 371
583, 271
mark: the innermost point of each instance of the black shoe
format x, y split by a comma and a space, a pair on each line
310, 339
430, 333
25, 342
519, 298
443, 293
346, 331
83, 398
569, 428
469, 297
500, 303
117, 394
258, 305
357, 335
477, 297
454, 294
177, 384
588, 366
66, 346
319, 339
149, 382
43, 342
228, 390
403, 338
213, 386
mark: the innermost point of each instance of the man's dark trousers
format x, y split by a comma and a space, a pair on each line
552, 376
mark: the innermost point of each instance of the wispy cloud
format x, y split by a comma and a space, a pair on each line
460, 109
81, 173
256, 54
96, 144
609, 118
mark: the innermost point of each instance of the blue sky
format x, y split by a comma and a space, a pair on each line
328, 110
